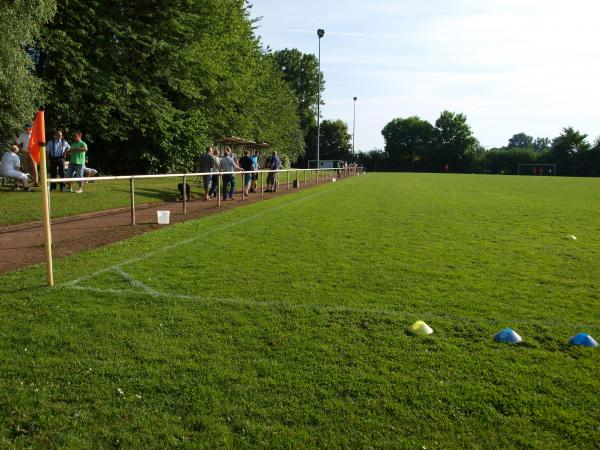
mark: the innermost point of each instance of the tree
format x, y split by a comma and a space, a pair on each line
20, 90
566, 149
541, 144
335, 140
569, 142
455, 143
407, 140
520, 140
374, 160
151, 86
301, 73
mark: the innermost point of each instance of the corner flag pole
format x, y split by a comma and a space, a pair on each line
40, 125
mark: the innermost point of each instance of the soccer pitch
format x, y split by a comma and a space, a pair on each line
284, 324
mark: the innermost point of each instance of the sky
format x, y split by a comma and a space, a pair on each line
510, 66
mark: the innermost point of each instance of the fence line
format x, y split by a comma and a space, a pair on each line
320, 176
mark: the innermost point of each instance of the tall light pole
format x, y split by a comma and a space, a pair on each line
354, 128
320, 33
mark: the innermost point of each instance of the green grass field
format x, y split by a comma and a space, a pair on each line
283, 324
20, 207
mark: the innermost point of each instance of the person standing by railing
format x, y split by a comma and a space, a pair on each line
255, 166
214, 184
57, 148
206, 164
77, 154
248, 166
227, 164
273, 177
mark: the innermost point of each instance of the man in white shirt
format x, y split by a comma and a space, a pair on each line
10, 165
56, 150
29, 165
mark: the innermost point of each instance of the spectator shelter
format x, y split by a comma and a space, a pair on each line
238, 145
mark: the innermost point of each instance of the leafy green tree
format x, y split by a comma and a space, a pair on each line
335, 142
20, 90
374, 160
565, 147
455, 143
520, 140
407, 140
151, 86
301, 72
541, 144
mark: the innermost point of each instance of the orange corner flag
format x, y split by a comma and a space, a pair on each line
38, 136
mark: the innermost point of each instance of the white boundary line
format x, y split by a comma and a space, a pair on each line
201, 236
322, 307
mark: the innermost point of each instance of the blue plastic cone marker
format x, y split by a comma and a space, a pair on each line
508, 336
420, 328
583, 339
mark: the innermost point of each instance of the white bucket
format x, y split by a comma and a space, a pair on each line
163, 217
333, 180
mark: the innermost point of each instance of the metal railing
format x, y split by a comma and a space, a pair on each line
320, 175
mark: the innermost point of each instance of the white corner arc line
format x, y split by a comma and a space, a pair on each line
195, 238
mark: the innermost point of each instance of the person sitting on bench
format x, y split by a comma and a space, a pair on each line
10, 165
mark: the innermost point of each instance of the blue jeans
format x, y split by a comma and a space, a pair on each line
214, 186
207, 180
75, 171
228, 180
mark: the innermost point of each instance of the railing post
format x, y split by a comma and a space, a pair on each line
262, 184
184, 192
297, 180
132, 195
288, 180
243, 175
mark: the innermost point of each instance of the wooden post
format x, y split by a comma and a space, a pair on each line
46, 213
262, 184
288, 180
132, 195
184, 191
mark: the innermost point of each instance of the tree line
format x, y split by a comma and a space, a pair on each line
151, 85
414, 144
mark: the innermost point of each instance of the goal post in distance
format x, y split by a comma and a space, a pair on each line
536, 169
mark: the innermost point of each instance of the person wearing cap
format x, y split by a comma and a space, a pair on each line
10, 165
29, 165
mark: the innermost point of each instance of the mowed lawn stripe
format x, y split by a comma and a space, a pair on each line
316, 351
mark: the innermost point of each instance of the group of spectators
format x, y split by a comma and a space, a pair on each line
60, 154
213, 162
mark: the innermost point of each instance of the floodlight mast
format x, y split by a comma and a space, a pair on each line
320, 33
354, 128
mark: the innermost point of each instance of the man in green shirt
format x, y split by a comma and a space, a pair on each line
77, 160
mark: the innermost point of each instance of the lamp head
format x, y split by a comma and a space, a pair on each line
320, 33
355, 98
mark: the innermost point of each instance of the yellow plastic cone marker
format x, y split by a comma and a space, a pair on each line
420, 328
